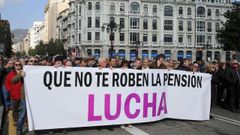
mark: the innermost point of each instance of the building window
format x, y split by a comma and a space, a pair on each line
209, 39
122, 7
154, 24
97, 36
79, 38
112, 7
89, 5
154, 38
209, 27
145, 24
217, 12
89, 22
209, 12
145, 37
79, 24
180, 11
200, 40
168, 38
154, 9
89, 36
200, 25
97, 22
168, 11
189, 26
180, 38
200, 12
134, 36
217, 27
97, 6
135, 7
180, 25
122, 36
134, 23
189, 11
145, 8
122, 22
189, 39
168, 25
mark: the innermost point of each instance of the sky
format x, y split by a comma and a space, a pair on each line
22, 13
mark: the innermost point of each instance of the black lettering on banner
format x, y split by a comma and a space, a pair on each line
193, 81
88, 79
145, 79
165, 78
199, 81
105, 79
115, 80
139, 75
123, 79
131, 79
189, 80
66, 79
98, 78
78, 79
170, 79
177, 80
47, 79
57, 84
184, 81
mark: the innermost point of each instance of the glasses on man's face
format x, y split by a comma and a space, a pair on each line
33, 61
18, 65
235, 63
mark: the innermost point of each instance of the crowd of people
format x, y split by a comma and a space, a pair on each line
225, 83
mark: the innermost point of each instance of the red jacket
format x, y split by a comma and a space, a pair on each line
14, 89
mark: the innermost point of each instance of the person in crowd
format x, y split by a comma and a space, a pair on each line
113, 63
158, 62
233, 80
124, 64
14, 89
145, 63
33, 61
184, 65
58, 61
83, 62
137, 64
6, 95
68, 63
1, 69
91, 62
211, 69
195, 67
102, 62
222, 85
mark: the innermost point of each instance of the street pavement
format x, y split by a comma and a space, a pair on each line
224, 123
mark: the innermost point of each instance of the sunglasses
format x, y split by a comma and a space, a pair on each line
33, 61
18, 64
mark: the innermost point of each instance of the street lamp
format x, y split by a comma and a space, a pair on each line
111, 27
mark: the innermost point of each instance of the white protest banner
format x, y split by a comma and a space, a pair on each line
83, 97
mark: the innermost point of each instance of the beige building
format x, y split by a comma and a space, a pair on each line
52, 10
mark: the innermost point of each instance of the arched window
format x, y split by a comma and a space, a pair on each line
209, 12
97, 7
144, 54
201, 12
189, 11
135, 7
217, 12
154, 24
180, 11
167, 54
145, 8
180, 55
154, 9
89, 5
122, 7
112, 7
168, 11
